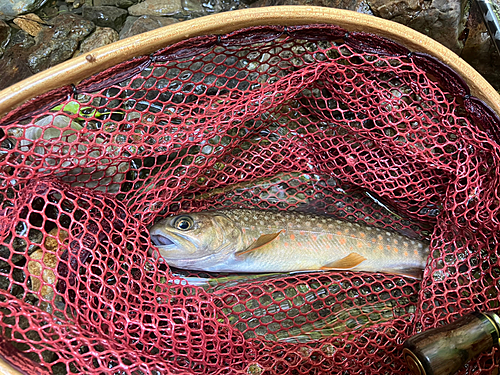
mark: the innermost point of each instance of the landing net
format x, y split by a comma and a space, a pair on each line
309, 118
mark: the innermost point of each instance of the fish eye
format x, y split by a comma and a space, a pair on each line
183, 223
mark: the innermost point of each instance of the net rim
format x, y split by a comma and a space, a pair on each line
75, 70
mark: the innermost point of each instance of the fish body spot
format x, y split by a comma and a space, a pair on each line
359, 244
330, 236
415, 252
286, 244
362, 234
314, 238
406, 253
381, 247
342, 240
292, 237
302, 232
395, 241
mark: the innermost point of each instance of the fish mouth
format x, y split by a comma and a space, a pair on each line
171, 246
159, 240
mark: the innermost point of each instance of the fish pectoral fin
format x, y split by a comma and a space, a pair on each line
346, 263
259, 242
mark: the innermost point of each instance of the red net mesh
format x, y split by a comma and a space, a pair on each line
301, 118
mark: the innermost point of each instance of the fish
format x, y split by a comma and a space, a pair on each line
263, 241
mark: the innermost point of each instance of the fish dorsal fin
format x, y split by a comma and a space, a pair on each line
260, 242
346, 263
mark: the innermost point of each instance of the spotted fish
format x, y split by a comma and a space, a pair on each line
252, 241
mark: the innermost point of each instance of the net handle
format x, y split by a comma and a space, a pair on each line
7, 369
81, 67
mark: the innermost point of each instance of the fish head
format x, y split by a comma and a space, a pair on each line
196, 240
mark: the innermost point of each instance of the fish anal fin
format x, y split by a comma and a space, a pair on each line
412, 273
346, 263
260, 242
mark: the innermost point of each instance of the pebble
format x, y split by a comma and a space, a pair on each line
10, 9
156, 8
30, 23
100, 37
58, 43
147, 23
46, 260
105, 16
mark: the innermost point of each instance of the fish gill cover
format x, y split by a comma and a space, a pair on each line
302, 118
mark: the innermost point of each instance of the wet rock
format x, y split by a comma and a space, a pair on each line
156, 8
148, 23
22, 39
442, 20
100, 37
50, 9
30, 23
13, 64
116, 3
63, 8
356, 5
57, 44
192, 8
4, 36
106, 16
479, 50
217, 6
10, 9
127, 25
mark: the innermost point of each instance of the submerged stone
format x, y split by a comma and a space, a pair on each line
105, 16
13, 63
479, 50
156, 8
100, 37
361, 6
442, 20
127, 26
116, 3
10, 9
148, 23
5, 34
58, 43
